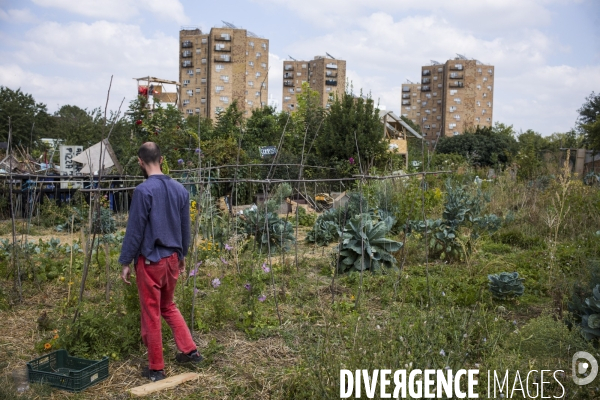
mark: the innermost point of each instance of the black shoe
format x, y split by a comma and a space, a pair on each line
153, 375
193, 357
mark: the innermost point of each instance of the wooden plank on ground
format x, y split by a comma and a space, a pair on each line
167, 383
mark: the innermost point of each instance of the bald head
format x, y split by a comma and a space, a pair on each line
149, 153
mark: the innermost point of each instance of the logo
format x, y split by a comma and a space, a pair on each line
584, 372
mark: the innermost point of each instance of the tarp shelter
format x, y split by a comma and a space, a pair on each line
90, 158
398, 132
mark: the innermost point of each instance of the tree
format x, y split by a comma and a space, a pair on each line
77, 126
592, 134
482, 147
589, 111
229, 122
262, 129
29, 120
503, 129
352, 130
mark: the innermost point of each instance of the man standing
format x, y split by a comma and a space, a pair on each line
157, 240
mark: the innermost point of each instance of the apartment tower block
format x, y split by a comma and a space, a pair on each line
454, 97
326, 75
228, 64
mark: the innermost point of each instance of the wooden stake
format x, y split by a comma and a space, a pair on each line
167, 383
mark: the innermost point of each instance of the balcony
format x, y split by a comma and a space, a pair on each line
288, 75
186, 54
457, 84
406, 96
426, 80
223, 36
187, 63
456, 67
426, 88
222, 47
186, 44
331, 66
331, 74
288, 83
223, 58
288, 67
331, 82
455, 75
426, 72
405, 102
406, 88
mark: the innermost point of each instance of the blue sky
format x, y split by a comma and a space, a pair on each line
546, 53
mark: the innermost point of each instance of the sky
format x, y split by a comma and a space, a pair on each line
546, 53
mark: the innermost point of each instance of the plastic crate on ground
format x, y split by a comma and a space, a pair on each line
62, 371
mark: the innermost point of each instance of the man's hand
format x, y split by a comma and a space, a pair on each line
125, 274
182, 267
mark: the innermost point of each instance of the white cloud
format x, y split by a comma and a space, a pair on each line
275, 74
18, 16
120, 10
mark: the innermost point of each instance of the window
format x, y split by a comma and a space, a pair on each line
298, 73
291, 90
190, 72
225, 78
488, 119
440, 69
251, 83
414, 107
435, 94
297, 89
478, 104
186, 82
489, 88
219, 67
483, 111
426, 72
479, 70
218, 109
257, 74
457, 117
203, 100
439, 101
225, 36
219, 89
251, 44
452, 108
197, 90
476, 119
423, 103
197, 111
189, 111
478, 87
287, 98
258, 55
264, 65
485, 95
426, 126
257, 94
250, 103
204, 40
219, 46
451, 126
433, 125
490, 71
438, 117
264, 46
458, 66
198, 70
198, 51
304, 66
327, 89
439, 85
489, 103
203, 61
428, 95
251, 63
407, 108
291, 106
435, 78
428, 111
457, 100
203, 80
186, 102
224, 99
189, 92
456, 133
434, 110
485, 79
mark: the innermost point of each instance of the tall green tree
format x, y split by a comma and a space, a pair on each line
29, 119
352, 130
590, 110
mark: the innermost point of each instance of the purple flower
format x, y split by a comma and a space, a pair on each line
228, 247
199, 263
262, 298
224, 261
194, 272
351, 160
216, 283
196, 291
265, 268
180, 161
247, 286
442, 353
197, 151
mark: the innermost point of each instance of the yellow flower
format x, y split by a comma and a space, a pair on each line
55, 336
47, 346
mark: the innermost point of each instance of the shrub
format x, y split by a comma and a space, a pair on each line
280, 233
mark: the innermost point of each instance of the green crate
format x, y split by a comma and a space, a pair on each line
62, 371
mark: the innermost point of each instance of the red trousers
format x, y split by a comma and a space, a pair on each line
156, 284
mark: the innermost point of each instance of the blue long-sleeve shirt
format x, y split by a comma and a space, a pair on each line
159, 221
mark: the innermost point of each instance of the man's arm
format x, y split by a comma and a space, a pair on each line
138, 218
185, 224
